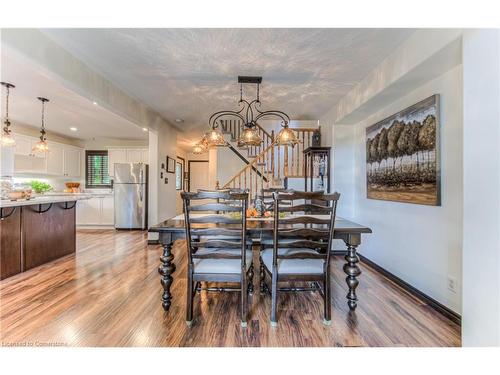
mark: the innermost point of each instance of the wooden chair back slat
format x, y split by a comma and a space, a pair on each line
307, 208
310, 233
216, 232
216, 219
304, 219
216, 207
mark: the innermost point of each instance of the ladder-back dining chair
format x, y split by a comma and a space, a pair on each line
300, 248
218, 248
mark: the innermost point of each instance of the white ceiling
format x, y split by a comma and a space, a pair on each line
191, 73
66, 109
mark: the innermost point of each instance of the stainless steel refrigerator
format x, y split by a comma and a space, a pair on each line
131, 195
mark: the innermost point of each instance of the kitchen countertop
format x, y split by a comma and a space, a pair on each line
45, 199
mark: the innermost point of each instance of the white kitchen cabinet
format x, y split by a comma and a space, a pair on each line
116, 156
88, 211
145, 156
108, 210
61, 160
134, 156
55, 160
72, 162
23, 145
96, 211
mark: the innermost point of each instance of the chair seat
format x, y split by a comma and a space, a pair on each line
293, 266
220, 266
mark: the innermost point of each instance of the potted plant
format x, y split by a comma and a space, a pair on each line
40, 187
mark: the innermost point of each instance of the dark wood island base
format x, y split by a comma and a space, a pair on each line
34, 234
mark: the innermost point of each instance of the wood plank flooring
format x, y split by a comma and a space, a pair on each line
108, 294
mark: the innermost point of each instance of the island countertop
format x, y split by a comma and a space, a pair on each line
44, 199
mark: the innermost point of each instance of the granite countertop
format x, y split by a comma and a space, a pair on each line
45, 199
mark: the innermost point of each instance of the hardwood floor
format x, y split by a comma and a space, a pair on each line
108, 294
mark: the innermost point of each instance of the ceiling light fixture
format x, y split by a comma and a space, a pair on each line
179, 120
41, 146
73, 129
144, 129
95, 103
286, 137
199, 148
7, 138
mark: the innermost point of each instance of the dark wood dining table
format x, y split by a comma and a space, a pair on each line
173, 229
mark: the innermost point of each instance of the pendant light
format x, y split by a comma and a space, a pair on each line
215, 137
286, 136
199, 149
7, 138
41, 146
250, 136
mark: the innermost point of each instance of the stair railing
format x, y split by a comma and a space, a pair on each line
257, 175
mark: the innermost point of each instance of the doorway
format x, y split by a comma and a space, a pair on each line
198, 175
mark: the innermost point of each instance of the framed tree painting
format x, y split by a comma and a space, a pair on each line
402, 156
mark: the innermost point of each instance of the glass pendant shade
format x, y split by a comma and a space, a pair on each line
215, 138
286, 137
40, 147
250, 137
7, 139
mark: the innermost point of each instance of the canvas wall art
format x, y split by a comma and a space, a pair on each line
402, 155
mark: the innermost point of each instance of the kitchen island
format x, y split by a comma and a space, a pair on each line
36, 231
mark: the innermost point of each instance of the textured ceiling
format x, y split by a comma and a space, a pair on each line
190, 73
66, 109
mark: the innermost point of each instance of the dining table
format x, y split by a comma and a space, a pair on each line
174, 229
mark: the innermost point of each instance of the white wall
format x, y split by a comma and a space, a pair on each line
481, 225
420, 244
162, 196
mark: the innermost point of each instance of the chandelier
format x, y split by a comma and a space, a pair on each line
249, 113
7, 138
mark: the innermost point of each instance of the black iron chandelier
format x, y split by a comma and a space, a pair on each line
249, 114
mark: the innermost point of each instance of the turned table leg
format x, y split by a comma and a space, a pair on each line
166, 270
352, 270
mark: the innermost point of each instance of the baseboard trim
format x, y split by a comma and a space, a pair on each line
439, 307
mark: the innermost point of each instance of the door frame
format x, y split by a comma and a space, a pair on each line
189, 170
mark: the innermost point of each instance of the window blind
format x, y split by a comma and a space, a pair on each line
97, 174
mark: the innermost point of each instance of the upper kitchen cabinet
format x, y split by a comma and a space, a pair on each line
55, 160
23, 145
129, 155
145, 156
61, 160
134, 156
72, 162
25, 161
116, 156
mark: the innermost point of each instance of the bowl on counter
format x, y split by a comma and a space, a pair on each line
72, 187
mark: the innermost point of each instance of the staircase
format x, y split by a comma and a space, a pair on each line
268, 165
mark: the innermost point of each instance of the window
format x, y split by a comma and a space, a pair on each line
96, 172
